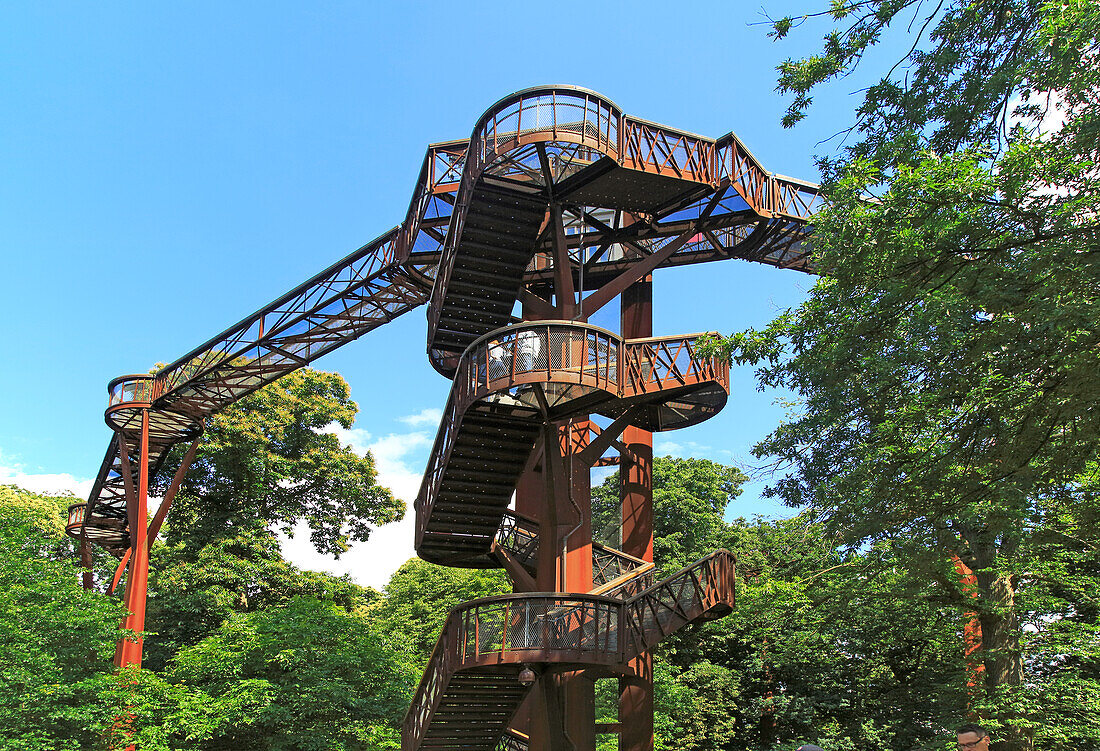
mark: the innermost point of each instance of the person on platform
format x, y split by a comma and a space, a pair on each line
972, 737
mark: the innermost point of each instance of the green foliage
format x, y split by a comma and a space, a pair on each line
948, 365
710, 717
265, 461
821, 648
57, 638
689, 498
44, 514
193, 591
420, 595
246, 651
305, 675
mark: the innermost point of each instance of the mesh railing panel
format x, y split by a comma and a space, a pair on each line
140, 389
681, 598
562, 352
543, 623
512, 741
520, 537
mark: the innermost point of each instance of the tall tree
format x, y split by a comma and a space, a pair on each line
420, 596
690, 497
56, 637
949, 359
305, 675
267, 462
193, 591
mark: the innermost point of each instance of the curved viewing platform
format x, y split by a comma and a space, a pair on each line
551, 145
129, 395
577, 359
511, 379
104, 520
497, 637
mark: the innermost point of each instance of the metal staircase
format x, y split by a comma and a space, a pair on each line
558, 203
471, 688
509, 382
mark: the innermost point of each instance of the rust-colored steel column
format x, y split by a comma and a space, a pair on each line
972, 634
636, 494
579, 691
128, 651
578, 543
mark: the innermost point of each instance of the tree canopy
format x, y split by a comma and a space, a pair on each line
948, 361
690, 497
266, 461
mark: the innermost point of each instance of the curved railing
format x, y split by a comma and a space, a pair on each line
508, 632
130, 389
563, 352
129, 395
558, 113
514, 630
76, 518
568, 352
669, 364
677, 387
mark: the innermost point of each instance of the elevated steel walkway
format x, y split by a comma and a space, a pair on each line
558, 203
633, 193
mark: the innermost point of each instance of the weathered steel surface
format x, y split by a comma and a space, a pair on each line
561, 202
717, 202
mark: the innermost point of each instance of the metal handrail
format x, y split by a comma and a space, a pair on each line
585, 355
499, 629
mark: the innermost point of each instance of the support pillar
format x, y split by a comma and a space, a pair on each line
636, 494
128, 651
972, 636
579, 691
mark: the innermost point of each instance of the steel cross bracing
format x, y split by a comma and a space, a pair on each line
558, 201
724, 205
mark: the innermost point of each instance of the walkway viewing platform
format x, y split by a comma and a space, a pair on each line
557, 204
472, 685
512, 380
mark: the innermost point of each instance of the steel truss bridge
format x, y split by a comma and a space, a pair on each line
558, 203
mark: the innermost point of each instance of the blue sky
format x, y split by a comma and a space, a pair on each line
166, 170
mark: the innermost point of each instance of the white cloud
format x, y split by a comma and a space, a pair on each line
357, 438
14, 473
425, 417
399, 459
684, 449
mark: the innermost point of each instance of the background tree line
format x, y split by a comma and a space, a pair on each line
845, 647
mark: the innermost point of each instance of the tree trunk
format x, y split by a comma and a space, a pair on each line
1000, 651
